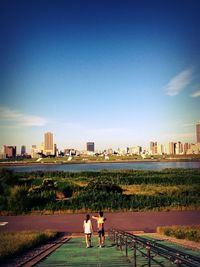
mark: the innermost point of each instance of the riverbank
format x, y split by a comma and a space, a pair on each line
63, 162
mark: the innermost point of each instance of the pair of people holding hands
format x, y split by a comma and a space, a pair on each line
88, 229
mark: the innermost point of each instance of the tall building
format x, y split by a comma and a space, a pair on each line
198, 132
185, 148
48, 144
10, 151
160, 149
172, 148
90, 146
23, 150
55, 150
2, 154
179, 148
153, 148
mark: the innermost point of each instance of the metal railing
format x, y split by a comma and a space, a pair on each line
150, 249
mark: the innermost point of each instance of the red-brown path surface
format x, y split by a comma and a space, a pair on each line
135, 221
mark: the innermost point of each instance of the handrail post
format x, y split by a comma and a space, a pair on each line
149, 255
126, 244
134, 253
178, 263
113, 236
120, 240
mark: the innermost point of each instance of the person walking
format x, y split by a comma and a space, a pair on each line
100, 228
87, 227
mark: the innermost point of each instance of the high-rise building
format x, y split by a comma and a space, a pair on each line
153, 148
48, 144
160, 149
10, 151
185, 148
2, 154
55, 150
179, 148
198, 132
172, 148
23, 150
165, 149
90, 146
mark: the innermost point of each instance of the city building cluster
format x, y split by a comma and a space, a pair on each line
49, 149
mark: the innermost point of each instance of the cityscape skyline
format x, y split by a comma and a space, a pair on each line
80, 145
113, 72
49, 148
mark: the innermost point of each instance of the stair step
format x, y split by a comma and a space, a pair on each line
74, 253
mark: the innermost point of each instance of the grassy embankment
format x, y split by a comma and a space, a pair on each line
191, 233
14, 243
128, 190
90, 159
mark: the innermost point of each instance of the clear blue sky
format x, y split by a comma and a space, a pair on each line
119, 73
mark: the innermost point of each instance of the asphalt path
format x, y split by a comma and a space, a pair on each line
73, 223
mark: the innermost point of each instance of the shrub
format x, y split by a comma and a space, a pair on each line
181, 232
103, 186
3, 203
14, 243
67, 188
18, 199
40, 199
8, 176
49, 184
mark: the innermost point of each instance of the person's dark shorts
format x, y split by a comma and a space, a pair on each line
101, 232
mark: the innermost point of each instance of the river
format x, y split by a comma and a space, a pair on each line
106, 166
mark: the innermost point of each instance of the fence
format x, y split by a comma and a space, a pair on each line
151, 250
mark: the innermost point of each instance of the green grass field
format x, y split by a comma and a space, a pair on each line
125, 190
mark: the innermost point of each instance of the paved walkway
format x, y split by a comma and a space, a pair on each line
73, 223
74, 253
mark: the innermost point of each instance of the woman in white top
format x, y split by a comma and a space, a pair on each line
87, 227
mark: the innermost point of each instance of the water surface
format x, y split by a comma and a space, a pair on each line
106, 166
